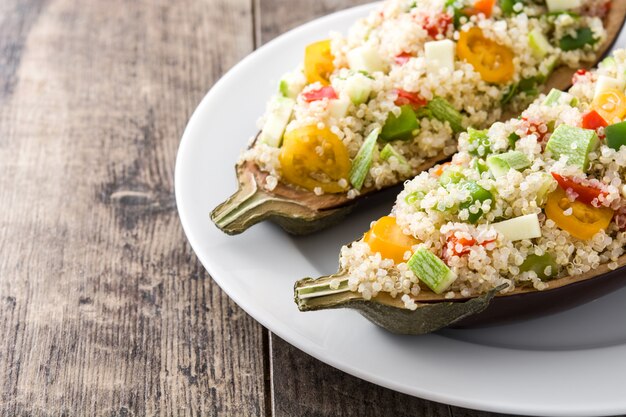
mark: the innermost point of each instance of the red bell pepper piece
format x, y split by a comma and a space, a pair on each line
585, 193
320, 94
403, 58
592, 120
413, 99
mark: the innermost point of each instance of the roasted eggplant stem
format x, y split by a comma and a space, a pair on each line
386, 311
252, 204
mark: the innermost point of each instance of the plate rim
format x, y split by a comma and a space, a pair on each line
282, 331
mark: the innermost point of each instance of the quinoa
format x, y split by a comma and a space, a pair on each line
402, 28
433, 214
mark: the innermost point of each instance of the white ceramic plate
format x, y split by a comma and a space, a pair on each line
570, 364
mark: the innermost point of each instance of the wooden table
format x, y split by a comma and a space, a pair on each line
104, 309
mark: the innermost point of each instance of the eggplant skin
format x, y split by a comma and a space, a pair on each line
492, 308
518, 307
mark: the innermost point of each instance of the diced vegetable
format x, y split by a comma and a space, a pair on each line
386, 237
358, 87
403, 127
414, 197
402, 58
439, 54
544, 189
320, 94
608, 62
479, 143
339, 108
544, 266
303, 165
616, 135
414, 99
451, 175
389, 152
494, 62
593, 120
584, 193
479, 165
484, 6
279, 113
580, 220
573, 142
556, 97
508, 6
442, 110
318, 62
477, 193
520, 228
363, 160
538, 43
292, 84
584, 36
366, 58
611, 105
431, 270
437, 25
500, 164
561, 5
606, 83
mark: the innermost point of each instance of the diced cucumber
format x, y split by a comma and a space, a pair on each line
540, 265
500, 164
547, 181
366, 58
431, 270
616, 135
443, 111
608, 62
389, 151
584, 36
358, 87
403, 127
538, 43
363, 160
520, 228
556, 97
439, 54
606, 83
292, 84
546, 68
508, 6
477, 193
479, 143
561, 5
451, 175
278, 115
573, 142
338, 108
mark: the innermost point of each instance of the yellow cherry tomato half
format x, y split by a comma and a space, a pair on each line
582, 221
494, 62
611, 105
311, 157
386, 238
318, 62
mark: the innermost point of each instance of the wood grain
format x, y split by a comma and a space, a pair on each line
104, 310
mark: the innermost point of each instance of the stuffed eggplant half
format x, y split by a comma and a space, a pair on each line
526, 209
374, 108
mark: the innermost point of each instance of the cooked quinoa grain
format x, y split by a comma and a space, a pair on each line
382, 64
577, 207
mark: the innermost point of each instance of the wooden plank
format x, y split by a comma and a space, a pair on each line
104, 310
303, 386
